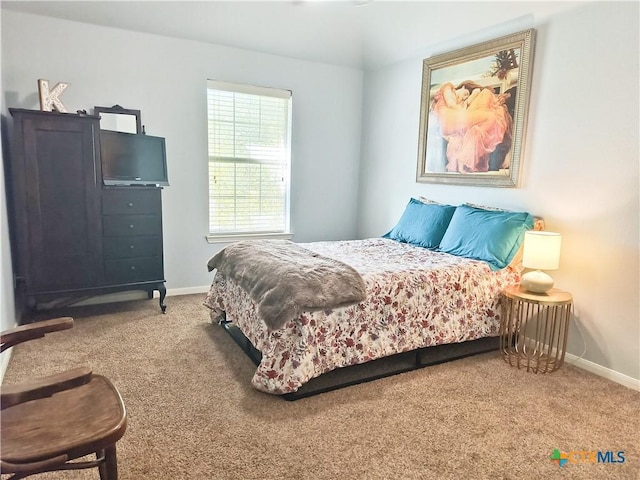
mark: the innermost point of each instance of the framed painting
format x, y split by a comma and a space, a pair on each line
473, 113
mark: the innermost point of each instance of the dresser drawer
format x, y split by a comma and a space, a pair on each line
131, 247
131, 225
128, 200
134, 270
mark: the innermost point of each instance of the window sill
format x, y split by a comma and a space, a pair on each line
247, 236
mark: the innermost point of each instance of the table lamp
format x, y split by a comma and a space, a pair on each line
541, 252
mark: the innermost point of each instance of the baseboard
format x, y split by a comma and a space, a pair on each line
188, 290
601, 371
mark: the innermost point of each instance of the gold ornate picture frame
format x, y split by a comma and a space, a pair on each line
473, 113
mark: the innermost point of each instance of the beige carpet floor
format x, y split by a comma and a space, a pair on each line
194, 415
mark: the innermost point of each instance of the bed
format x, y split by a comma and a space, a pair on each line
433, 282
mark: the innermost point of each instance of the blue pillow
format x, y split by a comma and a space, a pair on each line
422, 224
489, 235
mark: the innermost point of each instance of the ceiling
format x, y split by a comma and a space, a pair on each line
355, 33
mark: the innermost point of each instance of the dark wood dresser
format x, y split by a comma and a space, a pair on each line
72, 237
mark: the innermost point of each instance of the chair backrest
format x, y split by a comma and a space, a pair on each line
31, 331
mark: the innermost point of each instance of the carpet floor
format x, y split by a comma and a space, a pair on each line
192, 413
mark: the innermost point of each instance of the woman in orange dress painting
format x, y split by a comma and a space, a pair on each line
474, 121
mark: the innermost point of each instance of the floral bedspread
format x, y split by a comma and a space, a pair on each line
415, 298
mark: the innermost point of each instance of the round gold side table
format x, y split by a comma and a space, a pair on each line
534, 328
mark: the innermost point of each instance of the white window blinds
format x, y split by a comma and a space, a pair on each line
249, 159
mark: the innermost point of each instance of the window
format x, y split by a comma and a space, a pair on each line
249, 159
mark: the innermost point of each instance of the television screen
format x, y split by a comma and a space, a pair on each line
132, 159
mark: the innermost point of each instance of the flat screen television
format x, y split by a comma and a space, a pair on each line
133, 159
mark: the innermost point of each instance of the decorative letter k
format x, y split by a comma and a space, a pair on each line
49, 98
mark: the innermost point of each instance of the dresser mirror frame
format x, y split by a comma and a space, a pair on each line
119, 119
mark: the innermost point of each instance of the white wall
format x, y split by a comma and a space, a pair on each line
166, 79
580, 169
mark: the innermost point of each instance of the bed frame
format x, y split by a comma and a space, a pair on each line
386, 366
375, 369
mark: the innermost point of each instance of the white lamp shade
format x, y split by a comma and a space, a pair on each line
541, 250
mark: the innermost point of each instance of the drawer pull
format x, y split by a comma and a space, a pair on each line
131, 226
130, 204
132, 247
133, 267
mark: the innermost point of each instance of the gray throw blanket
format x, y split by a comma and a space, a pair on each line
284, 279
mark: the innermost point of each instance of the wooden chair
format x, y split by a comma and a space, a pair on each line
50, 422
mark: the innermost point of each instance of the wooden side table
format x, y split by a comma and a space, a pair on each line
534, 328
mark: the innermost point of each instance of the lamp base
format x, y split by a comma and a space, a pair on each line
536, 281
